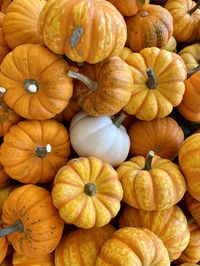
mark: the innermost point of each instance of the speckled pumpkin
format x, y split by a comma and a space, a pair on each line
81, 247
83, 30
133, 246
33, 151
21, 260
151, 183
38, 226
191, 55
162, 223
3, 247
87, 192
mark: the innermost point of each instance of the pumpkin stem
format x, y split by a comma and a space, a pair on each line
42, 151
117, 121
31, 85
148, 160
2, 91
191, 11
91, 84
76, 36
16, 227
152, 82
192, 71
90, 189
144, 14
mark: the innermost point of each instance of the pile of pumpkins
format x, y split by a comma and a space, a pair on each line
100, 132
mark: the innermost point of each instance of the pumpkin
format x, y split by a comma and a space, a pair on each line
7, 262
4, 192
133, 246
83, 30
3, 247
4, 49
22, 260
193, 206
4, 5
31, 222
81, 247
188, 264
87, 192
102, 137
189, 161
103, 88
151, 26
129, 7
125, 53
40, 91
162, 135
171, 45
191, 56
151, 183
158, 83
20, 22
162, 223
4, 178
192, 251
186, 16
33, 151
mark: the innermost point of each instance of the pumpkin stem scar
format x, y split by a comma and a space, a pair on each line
192, 71
42, 151
91, 84
16, 227
119, 119
148, 160
90, 189
31, 85
152, 82
76, 36
191, 11
144, 14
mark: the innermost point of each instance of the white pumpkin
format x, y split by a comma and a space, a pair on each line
99, 137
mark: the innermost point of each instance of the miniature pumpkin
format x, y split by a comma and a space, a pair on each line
103, 88
158, 83
189, 161
101, 137
83, 30
191, 55
133, 246
129, 7
31, 222
22, 260
186, 16
125, 53
4, 178
3, 247
162, 135
151, 26
87, 192
162, 223
20, 22
40, 91
151, 183
33, 151
4, 192
81, 247
193, 206
171, 45
4, 49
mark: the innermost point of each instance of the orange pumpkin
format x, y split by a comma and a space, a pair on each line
4, 192
4, 178
133, 246
164, 136
83, 30
4, 49
31, 221
87, 192
158, 83
104, 88
82, 246
22, 260
4, 5
33, 151
20, 22
151, 26
3, 247
191, 56
193, 206
189, 161
185, 19
40, 91
162, 223
151, 183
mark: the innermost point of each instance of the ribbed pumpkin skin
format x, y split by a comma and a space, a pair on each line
4, 49
31, 63
164, 136
194, 207
75, 205
21, 260
82, 246
151, 26
192, 251
43, 227
115, 84
157, 189
20, 23
162, 223
185, 25
191, 55
133, 246
171, 45
3, 247
189, 161
169, 70
4, 178
18, 151
129, 7
83, 30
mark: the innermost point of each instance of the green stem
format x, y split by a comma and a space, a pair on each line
191, 11
91, 84
148, 160
119, 119
90, 189
192, 71
43, 151
16, 227
152, 82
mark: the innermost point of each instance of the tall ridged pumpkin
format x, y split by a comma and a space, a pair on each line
81, 247
21, 260
83, 30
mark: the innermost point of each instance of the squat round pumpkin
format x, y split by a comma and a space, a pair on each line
22, 260
191, 56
